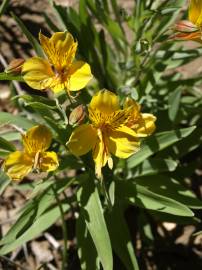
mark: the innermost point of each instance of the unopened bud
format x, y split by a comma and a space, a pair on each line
186, 27
77, 115
15, 66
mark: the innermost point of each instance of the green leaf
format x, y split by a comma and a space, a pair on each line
4, 6
33, 41
121, 242
5, 145
20, 121
42, 109
184, 146
169, 187
11, 136
10, 77
174, 103
86, 250
4, 154
37, 99
92, 211
50, 22
40, 225
34, 209
165, 217
155, 166
4, 181
140, 196
157, 143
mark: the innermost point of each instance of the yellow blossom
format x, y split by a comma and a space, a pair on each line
191, 29
60, 71
34, 155
112, 130
142, 123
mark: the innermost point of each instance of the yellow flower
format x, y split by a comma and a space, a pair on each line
142, 123
60, 71
34, 155
111, 130
191, 29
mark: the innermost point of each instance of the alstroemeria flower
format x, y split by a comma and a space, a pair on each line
142, 123
191, 29
60, 71
34, 155
110, 131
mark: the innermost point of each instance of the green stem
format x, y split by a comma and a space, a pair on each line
109, 203
61, 111
10, 77
64, 230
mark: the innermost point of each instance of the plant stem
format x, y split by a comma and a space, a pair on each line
64, 230
61, 111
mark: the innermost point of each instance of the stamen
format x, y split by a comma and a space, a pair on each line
110, 163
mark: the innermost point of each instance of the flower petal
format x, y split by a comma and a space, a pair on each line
82, 140
105, 101
195, 12
37, 139
80, 75
38, 73
60, 49
48, 161
100, 155
123, 142
146, 125
17, 165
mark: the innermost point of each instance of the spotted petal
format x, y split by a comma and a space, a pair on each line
60, 49
48, 161
146, 125
105, 102
37, 139
195, 12
100, 155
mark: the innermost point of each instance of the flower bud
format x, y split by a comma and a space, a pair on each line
77, 115
186, 27
15, 66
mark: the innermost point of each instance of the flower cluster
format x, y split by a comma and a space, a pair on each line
111, 130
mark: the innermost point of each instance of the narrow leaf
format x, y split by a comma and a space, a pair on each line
121, 242
10, 119
86, 250
155, 166
91, 209
4, 6
33, 41
40, 225
144, 198
157, 143
5, 145
4, 181
174, 103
